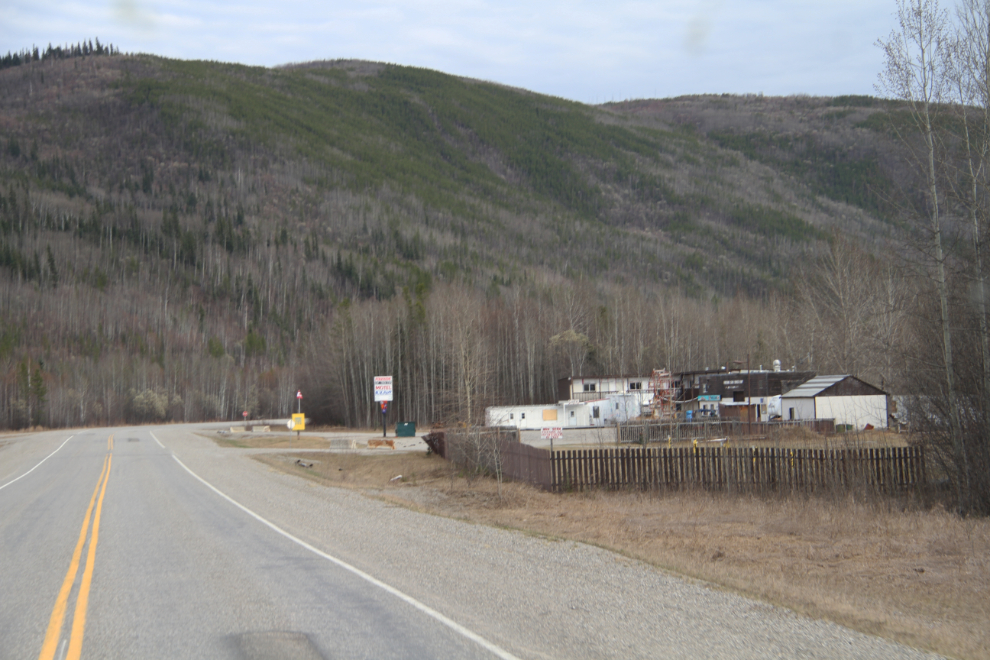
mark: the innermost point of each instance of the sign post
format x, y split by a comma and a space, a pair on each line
551, 432
383, 394
298, 420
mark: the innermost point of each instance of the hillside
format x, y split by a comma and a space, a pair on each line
177, 238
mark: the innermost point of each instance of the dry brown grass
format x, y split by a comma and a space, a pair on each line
921, 577
803, 438
270, 441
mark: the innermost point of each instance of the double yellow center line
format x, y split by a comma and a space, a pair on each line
50, 645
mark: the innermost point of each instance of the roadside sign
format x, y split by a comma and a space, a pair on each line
298, 422
245, 413
298, 395
383, 388
289, 424
551, 433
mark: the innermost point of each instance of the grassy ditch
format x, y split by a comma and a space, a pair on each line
275, 441
889, 568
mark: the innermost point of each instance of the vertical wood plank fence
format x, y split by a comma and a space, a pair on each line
887, 470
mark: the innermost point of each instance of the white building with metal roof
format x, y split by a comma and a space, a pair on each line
566, 414
844, 398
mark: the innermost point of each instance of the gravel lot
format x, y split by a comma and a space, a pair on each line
535, 597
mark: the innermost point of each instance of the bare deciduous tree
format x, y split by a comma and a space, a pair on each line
917, 57
970, 79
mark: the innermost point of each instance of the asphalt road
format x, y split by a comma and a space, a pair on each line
156, 543
178, 571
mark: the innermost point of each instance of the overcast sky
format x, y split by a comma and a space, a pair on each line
587, 51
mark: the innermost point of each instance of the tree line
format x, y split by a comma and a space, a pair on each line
80, 49
452, 351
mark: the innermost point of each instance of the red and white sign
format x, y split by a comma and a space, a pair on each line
383, 388
551, 433
245, 413
298, 395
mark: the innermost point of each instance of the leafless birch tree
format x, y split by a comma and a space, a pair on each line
970, 78
917, 57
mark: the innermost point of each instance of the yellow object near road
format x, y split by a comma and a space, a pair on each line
299, 422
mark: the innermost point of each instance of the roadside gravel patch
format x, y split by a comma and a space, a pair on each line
537, 597
20, 452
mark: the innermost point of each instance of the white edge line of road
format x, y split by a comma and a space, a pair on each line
38, 465
453, 625
160, 443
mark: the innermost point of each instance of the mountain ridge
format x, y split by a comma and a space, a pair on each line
242, 211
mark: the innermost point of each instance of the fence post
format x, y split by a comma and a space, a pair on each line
729, 469
924, 467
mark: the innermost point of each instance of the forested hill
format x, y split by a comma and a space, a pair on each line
187, 240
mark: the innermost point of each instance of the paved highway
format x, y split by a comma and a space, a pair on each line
155, 543
110, 548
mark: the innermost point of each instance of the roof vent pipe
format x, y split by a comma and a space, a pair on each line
776, 365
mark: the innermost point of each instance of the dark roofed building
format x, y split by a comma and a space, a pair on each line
745, 395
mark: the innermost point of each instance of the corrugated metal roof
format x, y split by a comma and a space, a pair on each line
813, 387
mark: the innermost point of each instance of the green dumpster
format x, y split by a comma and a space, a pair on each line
405, 429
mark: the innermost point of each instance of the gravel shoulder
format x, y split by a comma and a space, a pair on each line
536, 597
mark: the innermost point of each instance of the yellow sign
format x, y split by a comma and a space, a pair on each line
298, 422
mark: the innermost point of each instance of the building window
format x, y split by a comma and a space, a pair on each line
510, 415
790, 412
616, 405
636, 386
594, 412
572, 413
589, 387
522, 416
739, 396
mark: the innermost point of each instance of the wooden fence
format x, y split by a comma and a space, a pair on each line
888, 470
526, 463
498, 452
